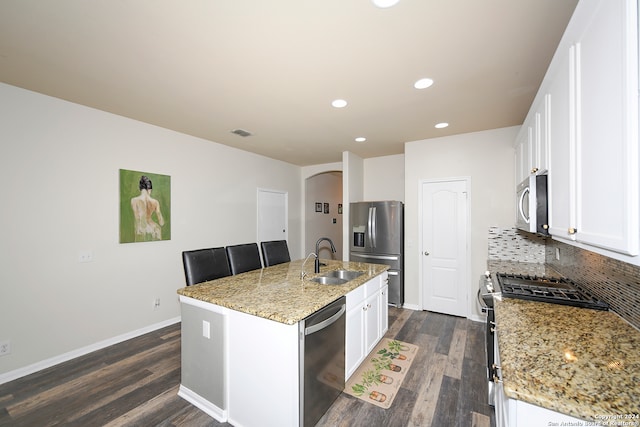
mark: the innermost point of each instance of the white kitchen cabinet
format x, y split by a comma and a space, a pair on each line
384, 306
592, 90
540, 150
607, 186
561, 180
354, 335
367, 320
532, 142
372, 320
523, 153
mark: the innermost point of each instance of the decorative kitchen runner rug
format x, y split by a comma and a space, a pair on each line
380, 375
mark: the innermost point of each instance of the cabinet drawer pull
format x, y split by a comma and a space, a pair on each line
573, 230
496, 379
534, 170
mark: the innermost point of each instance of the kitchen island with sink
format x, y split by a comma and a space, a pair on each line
241, 354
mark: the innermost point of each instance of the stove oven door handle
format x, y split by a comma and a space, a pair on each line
483, 305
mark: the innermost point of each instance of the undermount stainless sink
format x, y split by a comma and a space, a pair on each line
325, 280
344, 274
337, 277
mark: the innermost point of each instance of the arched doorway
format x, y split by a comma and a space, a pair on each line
323, 212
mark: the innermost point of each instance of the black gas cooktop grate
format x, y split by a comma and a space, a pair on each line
545, 289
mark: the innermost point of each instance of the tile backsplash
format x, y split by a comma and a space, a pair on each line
511, 244
613, 281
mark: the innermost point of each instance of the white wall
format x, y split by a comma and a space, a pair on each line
352, 191
384, 178
59, 166
488, 158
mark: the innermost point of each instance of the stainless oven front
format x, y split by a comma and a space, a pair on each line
485, 300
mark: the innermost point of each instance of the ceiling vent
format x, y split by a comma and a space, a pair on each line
243, 133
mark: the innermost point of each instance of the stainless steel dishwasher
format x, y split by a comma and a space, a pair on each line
322, 336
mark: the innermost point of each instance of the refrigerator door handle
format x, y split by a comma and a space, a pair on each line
374, 226
389, 257
369, 237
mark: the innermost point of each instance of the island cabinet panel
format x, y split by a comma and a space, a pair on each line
367, 320
263, 369
203, 357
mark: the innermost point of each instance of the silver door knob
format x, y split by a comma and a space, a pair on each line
426, 253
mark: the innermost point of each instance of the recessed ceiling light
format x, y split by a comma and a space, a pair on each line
442, 125
385, 3
339, 103
361, 139
423, 83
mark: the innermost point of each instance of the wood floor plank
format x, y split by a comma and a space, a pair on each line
157, 370
144, 414
415, 376
402, 406
446, 409
479, 420
398, 322
425, 406
456, 353
92, 382
128, 402
412, 327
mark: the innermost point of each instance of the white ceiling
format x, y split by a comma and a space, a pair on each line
272, 67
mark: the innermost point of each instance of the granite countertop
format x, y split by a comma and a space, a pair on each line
277, 292
577, 361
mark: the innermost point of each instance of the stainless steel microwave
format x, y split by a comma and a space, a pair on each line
531, 205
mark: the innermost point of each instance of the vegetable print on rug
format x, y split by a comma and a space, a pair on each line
379, 377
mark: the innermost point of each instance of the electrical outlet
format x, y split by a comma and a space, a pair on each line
156, 303
85, 256
206, 329
557, 254
5, 347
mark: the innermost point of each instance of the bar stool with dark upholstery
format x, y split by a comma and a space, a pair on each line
275, 252
201, 265
245, 257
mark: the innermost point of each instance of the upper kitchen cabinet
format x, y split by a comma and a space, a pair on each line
532, 142
591, 90
561, 180
607, 127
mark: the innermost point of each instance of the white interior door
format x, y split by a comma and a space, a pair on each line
444, 246
272, 215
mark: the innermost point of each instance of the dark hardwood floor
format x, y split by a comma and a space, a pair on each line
135, 383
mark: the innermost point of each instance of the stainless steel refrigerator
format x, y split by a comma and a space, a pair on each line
377, 236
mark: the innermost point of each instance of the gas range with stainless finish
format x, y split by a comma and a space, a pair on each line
542, 289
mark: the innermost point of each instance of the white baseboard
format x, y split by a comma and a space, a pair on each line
476, 318
203, 404
473, 317
47, 363
412, 307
